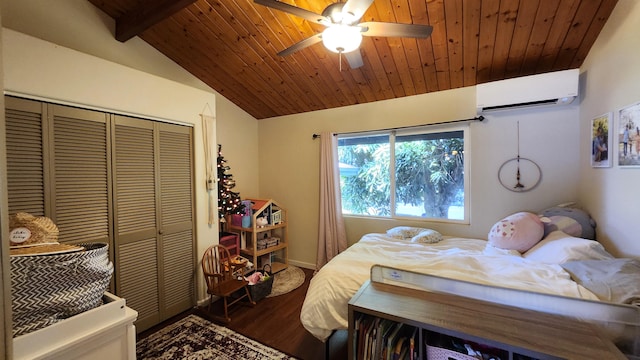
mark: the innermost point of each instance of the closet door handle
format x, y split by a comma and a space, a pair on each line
161, 232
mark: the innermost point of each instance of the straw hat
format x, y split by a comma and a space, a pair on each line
30, 235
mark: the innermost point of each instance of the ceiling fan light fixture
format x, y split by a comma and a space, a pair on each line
342, 38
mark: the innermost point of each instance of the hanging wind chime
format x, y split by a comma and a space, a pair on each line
527, 173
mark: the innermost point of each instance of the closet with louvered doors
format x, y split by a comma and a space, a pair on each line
107, 178
58, 166
154, 202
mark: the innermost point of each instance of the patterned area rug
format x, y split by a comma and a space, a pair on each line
196, 338
287, 280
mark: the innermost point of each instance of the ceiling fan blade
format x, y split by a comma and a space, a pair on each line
354, 58
356, 7
373, 28
301, 45
300, 12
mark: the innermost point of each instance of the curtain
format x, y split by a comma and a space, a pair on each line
332, 237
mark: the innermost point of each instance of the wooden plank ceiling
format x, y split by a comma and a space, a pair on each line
231, 45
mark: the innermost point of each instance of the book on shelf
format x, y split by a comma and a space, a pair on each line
384, 339
413, 351
384, 327
391, 341
364, 327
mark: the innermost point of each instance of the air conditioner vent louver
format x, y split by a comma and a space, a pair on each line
556, 88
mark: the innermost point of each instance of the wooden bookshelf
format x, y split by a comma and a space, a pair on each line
275, 228
440, 319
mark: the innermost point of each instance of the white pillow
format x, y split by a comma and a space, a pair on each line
558, 248
492, 250
405, 232
427, 236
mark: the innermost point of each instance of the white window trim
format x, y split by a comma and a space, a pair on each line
464, 128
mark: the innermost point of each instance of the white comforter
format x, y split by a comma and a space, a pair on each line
325, 306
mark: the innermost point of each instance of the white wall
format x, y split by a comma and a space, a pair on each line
237, 132
612, 81
289, 160
78, 25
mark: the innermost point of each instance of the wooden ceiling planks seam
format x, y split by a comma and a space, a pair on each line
375, 69
381, 10
425, 47
231, 63
232, 46
603, 13
436, 12
410, 47
539, 33
489, 13
454, 20
398, 55
520, 41
504, 33
201, 66
561, 24
584, 16
471, 40
417, 14
252, 55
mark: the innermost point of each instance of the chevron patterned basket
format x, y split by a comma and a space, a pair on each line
50, 288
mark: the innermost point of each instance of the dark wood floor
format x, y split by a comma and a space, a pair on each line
275, 322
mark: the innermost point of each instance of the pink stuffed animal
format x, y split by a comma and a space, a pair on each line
254, 278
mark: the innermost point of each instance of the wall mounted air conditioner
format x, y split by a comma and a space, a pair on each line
554, 88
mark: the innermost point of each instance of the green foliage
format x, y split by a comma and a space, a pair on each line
429, 173
368, 192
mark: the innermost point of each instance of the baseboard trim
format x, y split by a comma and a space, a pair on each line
302, 264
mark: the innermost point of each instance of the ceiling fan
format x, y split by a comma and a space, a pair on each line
343, 33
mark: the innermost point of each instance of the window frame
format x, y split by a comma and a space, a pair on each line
393, 133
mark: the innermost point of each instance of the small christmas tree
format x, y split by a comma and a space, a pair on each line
228, 201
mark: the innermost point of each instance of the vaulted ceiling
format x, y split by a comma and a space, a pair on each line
232, 46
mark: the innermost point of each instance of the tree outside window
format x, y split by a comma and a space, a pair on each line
429, 174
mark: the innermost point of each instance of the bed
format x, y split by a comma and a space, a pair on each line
542, 269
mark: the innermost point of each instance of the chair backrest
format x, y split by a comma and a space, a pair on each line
215, 266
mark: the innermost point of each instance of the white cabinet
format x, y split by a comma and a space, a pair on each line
106, 332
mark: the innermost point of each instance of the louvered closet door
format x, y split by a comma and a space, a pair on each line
136, 234
25, 159
176, 216
80, 174
154, 218
57, 164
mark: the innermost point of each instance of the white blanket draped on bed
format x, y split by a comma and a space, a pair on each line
325, 306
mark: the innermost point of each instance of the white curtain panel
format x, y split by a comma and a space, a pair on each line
332, 237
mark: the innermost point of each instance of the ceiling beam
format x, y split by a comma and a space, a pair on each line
146, 15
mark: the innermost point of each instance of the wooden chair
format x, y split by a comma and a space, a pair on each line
218, 273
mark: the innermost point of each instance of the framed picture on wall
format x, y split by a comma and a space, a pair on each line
628, 136
601, 156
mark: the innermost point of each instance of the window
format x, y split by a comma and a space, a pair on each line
430, 177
